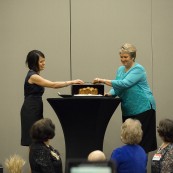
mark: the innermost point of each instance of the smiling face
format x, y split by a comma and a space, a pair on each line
127, 60
127, 54
41, 63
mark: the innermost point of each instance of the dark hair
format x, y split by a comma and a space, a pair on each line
165, 130
33, 58
42, 130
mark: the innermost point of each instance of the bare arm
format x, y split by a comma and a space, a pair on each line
36, 79
104, 81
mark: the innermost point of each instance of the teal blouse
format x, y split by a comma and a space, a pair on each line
133, 89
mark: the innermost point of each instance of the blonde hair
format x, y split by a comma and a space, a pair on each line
129, 49
131, 131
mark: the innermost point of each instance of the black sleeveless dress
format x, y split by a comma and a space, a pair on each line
32, 108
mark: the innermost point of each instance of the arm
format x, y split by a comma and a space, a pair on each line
132, 77
36, 79
104, 81
107, 82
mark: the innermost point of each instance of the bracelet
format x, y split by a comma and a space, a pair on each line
66, 84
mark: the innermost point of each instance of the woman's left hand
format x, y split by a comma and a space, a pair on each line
96, 80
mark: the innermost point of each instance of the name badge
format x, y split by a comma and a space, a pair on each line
157, 157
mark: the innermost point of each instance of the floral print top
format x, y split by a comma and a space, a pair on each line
162, 161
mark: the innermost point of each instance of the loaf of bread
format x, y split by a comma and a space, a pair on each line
88, 90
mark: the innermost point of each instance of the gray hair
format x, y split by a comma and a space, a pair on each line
131, 131
129, 49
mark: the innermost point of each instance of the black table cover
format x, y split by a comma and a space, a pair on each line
84, 121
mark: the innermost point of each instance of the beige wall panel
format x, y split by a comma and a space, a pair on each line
162, 57
27, 25
162, 51
99, 28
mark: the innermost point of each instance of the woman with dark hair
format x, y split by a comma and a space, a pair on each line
32, 108
137, 100
162, 161
43, 158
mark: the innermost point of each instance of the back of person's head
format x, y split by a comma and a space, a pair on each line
131, 131
32, 59
96, 155
128, 48
165, 130
42, 130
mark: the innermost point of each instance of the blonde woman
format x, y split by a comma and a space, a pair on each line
131, 157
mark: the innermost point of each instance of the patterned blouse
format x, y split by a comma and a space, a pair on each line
44, 159
162, 161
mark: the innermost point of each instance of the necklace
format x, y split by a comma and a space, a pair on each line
164, 145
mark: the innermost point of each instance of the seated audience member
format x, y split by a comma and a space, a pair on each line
96, 155
131, 157
162, 161
43, 158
